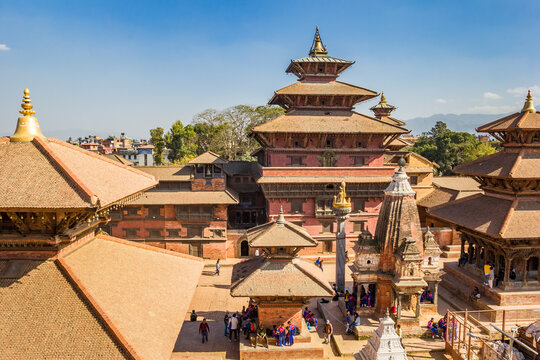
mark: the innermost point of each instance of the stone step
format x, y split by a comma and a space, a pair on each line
450, 255
452, 248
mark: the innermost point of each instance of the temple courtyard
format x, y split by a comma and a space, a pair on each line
212, 298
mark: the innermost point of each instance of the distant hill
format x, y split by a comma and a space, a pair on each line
462, 122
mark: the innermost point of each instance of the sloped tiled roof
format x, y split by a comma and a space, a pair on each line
167, 173
118, 158
143, 292
279, 233
325, 88
43, 317
493, 215
522, 164
459, 183
520, 120
317, 121
208, 157
79, 178
186, 198
263, 277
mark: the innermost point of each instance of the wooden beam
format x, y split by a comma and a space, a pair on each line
19, 222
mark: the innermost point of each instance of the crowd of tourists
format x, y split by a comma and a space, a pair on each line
438, 329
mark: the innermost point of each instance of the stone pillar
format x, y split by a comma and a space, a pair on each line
435, 293
524, 272
398, 306
507, 264
340, 251
418, 305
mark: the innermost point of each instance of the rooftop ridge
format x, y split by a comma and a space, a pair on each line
47, 151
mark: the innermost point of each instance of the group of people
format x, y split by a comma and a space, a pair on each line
310, 318
427, 296
350, 301
245, 321
351, 321
284, 335
438, 329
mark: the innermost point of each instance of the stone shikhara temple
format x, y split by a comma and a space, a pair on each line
321, 141
399, 264
502, 226
385, 343
68, 291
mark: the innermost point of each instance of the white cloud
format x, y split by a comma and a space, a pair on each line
522, 91
441, 101
491, 109
491, 96
3, 47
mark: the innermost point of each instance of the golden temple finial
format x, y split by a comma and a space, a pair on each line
383, 99
27, 125
528, 106
317, 47
341, 200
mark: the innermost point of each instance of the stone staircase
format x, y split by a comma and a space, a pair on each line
451, 251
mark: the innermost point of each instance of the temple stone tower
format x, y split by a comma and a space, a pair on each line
342, 209
385, 343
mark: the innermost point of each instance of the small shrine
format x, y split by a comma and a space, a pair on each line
385, 343
398, 267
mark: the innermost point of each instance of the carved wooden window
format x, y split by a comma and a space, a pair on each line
131, 233
327, 227
195, 231
359, 161
297, 206
154, 212
328, 159
218, 233
359, 205
296, 161
194, 213
154, 233
359, 226
413, 180
173, 233
132, 210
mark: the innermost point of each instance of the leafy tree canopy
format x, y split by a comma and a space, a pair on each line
448, 148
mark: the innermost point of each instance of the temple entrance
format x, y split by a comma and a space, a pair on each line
244, 248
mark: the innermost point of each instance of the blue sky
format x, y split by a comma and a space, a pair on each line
112, 66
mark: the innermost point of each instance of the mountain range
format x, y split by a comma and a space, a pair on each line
459, 123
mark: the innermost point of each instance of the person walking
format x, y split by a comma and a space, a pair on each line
217, 267
487, 271
233, 327
328, 331
226, 321
204, 329
491, 277
281, 334
348, 322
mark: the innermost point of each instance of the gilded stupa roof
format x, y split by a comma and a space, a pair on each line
47, 173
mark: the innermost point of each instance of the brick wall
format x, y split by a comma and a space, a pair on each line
277, 314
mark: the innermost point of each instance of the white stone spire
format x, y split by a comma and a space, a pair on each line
400, 182
385, 343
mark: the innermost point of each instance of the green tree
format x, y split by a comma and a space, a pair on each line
180, 141
156, 138
449, 149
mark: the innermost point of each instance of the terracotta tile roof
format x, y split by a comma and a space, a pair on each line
316, 121
495, 216
208, 157
118, 158
507, 164
144, 292
43, 317
263, 277
279, 233
55, 174
281, 179
438, 197
167, 173
186, 198
521, 120
325, 88
460, 183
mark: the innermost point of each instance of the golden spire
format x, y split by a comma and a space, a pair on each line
528, 106
383, 99
317, 47
27, 125
341, 200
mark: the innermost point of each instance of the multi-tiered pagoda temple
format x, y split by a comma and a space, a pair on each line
501, 227
321, 141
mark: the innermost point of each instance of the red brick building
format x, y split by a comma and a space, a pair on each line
321, 141
186, 212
